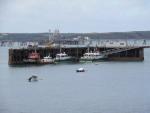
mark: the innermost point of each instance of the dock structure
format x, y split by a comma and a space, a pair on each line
120, 51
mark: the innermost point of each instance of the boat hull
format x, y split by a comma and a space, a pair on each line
80, 70
83, 59
47, 61
64, 60
31, 61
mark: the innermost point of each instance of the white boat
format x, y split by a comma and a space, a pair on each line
92, 56
47, 60
62, 57
80, 70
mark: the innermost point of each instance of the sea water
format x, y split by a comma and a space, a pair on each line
105, 87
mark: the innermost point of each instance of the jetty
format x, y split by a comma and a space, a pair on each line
115, 50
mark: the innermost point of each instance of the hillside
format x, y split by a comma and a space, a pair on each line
44, 36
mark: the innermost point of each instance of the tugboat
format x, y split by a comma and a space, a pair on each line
33, 57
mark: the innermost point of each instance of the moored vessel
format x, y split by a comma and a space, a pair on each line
92, 56
33, 57
47, 60
62, 57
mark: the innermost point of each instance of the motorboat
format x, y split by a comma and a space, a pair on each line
47, 60
62, 57
92, 56
33, 78
80, 70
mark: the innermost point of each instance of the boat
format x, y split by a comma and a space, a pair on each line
33, 57
80, 70
33, 78
62, 57
47, 60
92, 56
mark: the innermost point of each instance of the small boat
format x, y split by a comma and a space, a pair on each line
33, 78
47, 60
62, 57
80, 70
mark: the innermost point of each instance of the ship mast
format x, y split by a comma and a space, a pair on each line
49, 35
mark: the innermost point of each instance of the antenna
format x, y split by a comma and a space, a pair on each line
49, 35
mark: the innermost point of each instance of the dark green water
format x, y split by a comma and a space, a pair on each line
109, 87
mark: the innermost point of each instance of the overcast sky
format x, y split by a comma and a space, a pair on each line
74, 15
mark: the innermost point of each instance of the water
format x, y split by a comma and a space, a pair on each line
109, 87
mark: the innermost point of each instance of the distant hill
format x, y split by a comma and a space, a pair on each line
44, 36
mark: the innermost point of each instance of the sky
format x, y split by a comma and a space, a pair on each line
27, 16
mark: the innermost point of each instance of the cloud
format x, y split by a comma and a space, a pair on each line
74, 15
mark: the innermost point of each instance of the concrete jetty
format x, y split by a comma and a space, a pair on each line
118, 53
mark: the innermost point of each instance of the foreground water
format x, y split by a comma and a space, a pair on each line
109, 87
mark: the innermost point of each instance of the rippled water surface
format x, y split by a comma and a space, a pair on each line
109, 87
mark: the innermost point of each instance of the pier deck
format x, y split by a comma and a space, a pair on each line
122, 50
16, 56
